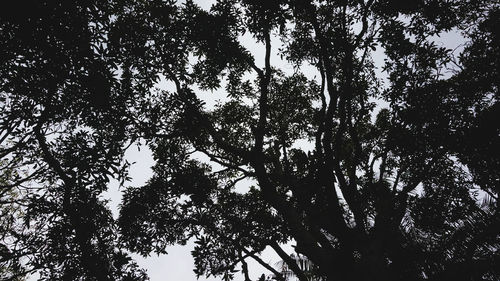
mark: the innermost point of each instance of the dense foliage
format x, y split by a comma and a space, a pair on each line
63, 131
371, 170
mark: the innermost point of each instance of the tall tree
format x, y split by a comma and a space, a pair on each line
386, 195
363, 192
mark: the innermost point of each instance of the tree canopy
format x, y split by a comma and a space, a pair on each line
372, 170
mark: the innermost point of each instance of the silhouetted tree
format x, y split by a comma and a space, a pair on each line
364, 192
372, 175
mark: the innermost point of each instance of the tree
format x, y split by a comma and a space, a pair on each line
62, 138
364, 192
384, 198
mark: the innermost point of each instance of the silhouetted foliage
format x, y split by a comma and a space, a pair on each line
63, 130
373, 171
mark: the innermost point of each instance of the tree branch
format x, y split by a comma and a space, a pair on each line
292, 264
278, 275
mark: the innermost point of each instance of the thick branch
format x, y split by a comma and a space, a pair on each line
263, 99
292, 264
278, 275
